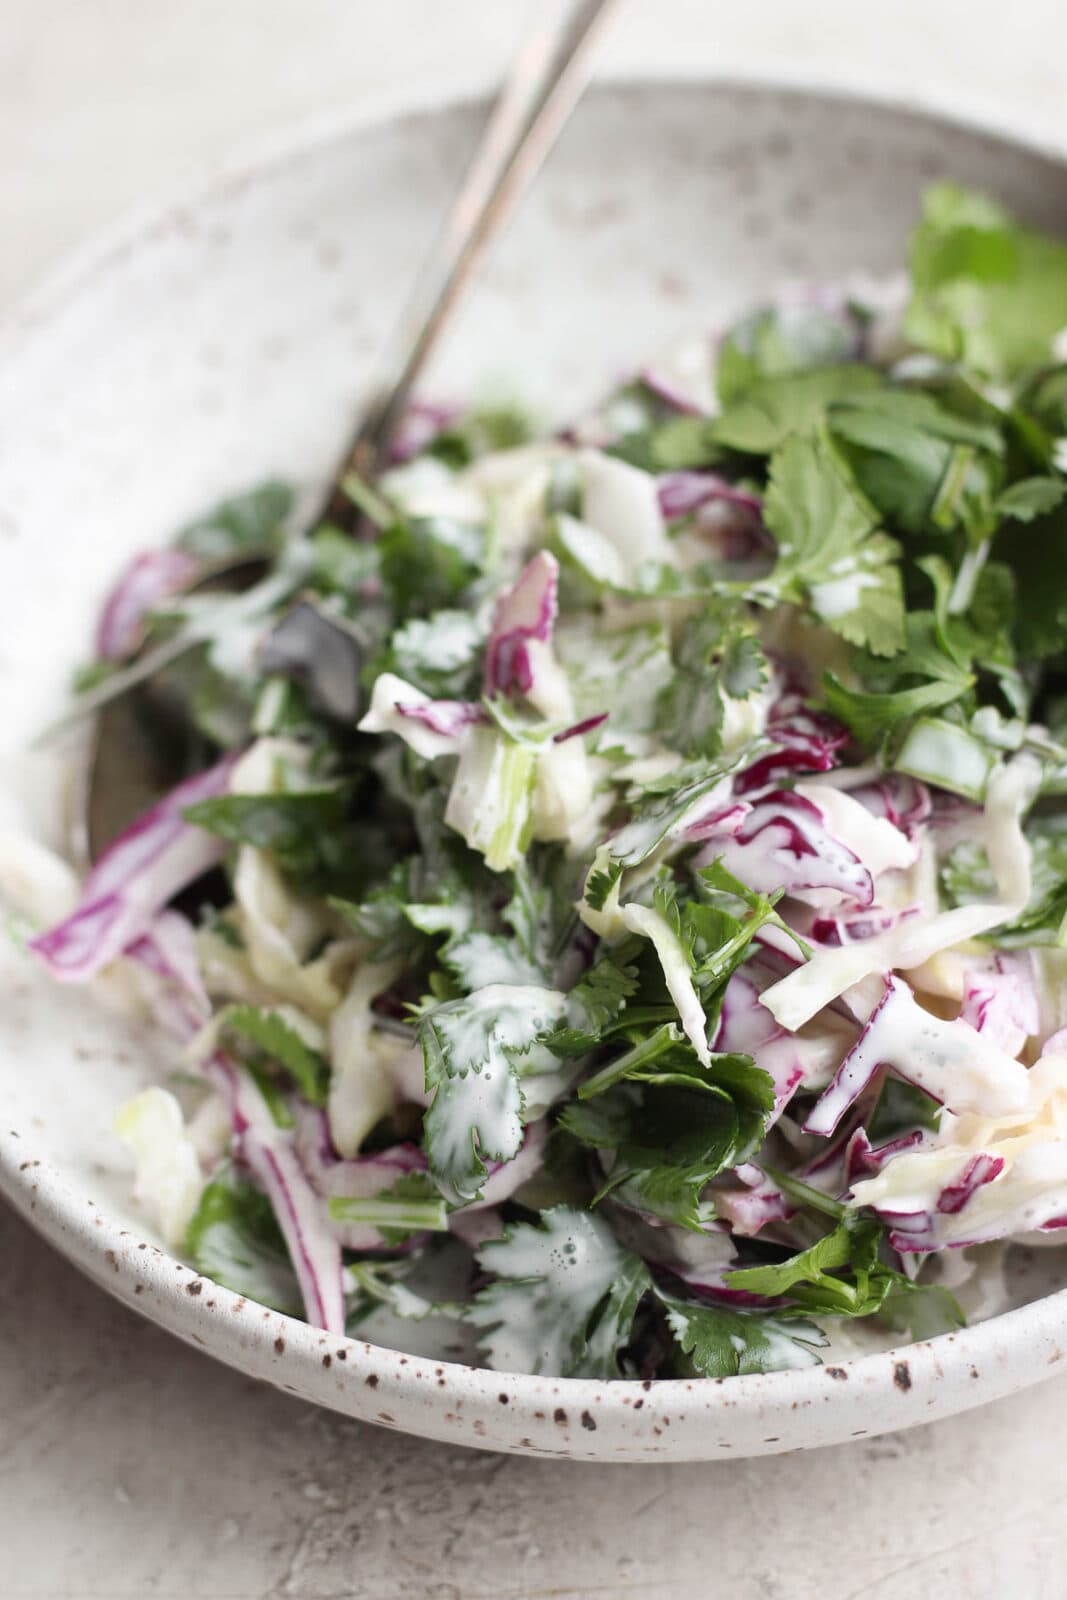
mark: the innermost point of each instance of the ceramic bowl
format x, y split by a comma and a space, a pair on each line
227, 339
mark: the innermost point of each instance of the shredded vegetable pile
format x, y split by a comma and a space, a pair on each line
644, 934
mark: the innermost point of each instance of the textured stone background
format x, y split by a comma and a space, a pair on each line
129, 1465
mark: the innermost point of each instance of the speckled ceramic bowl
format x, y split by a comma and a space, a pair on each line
226, 339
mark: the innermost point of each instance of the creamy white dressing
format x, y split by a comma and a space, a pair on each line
513, 485
840, 597
481, 1108
427, 487
796, 998
744, 720
491, 797
444, 643
575, 1268
1029, 1140
1010, 791
961, 1068
622, 503
565, 805
488, 1102
880, 845
34, 881
549, 691
383, 716
168, 1178
591, 550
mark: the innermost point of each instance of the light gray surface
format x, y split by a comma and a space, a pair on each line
130, 1465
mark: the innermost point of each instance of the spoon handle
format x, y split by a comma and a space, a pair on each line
546, 80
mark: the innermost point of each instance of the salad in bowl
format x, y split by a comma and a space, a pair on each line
617, 899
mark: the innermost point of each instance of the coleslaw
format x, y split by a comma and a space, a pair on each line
645, 931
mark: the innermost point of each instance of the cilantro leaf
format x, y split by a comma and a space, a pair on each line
829, 552
1037, 559
720, 929
440, 654
234, 1239
985, 290
600, 883
777, 341
721, 1342
382, 918
472, 1049
249, 524
666, 816
841, 1275
542, 912
388, 1284
342, 565
771, 410
931, 672
1029, 498
597, 1002
638, 1060
288, 1039
715, 658
967, 877
474, 1116
309, 832
613, 1328
429, 562
743, 669
673, 1127
900, 446
480, 430
563, 1299
669, 445
596, 663
476, 959
870, 715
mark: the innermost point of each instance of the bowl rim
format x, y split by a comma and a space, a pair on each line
901, 1386
250, 158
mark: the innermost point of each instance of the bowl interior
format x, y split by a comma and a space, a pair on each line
228, 341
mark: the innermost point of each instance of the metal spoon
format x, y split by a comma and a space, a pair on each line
546, 81
553, 66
